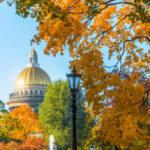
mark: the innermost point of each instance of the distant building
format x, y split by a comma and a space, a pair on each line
30, 85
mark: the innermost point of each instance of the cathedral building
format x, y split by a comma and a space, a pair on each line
30, 85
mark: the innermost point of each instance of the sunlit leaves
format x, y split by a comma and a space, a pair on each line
28, 123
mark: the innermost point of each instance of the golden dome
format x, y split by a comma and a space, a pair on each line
32, 76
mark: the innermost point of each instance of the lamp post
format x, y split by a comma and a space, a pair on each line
74, 80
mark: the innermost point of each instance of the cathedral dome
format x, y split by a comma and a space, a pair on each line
30, 85
32, 76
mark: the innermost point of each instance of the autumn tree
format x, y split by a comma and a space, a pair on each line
19, 124
28, 120
56, 116
125, 123
91, 29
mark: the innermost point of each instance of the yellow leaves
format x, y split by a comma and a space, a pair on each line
108, 13
55, 32
129, 128
126, 93
46, 51
120, 122
121, 129
119, 57
114, 80
142, 30
28, 121
108, 30
95, 131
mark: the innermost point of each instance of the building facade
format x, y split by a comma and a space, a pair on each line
30, 85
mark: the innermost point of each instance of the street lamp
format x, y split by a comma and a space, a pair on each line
92, 147
74, 80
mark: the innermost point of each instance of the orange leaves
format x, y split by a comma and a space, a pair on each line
123, 122
33, 143
28, 121
10, 146
55, 33
21, 125
106, 24
46, 51
114, 80
121, 129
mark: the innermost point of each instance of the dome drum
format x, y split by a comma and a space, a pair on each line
27, 101
33, 87
37, 93
33, 101
30, 90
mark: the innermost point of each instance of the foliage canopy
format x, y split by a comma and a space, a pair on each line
92, 28
19, 124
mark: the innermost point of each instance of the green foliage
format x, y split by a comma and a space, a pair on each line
56, 116
2, 107
53, 112
4, 119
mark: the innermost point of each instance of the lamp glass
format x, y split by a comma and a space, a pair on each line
77, 81
71, 82
92, 148
74, 82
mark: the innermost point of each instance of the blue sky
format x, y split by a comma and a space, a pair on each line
15, 36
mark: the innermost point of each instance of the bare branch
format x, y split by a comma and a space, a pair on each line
116, 23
